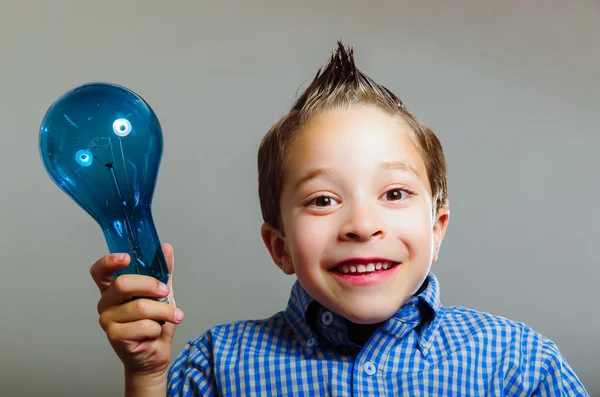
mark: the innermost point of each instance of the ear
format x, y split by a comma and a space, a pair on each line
439, 229
275, 243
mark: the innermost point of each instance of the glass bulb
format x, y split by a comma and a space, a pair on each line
102, 145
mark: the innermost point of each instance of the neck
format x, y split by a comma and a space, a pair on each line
360, 333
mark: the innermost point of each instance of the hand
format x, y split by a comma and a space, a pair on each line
142, 344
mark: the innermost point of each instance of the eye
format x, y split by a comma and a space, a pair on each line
395, 194
122, 127
322, 201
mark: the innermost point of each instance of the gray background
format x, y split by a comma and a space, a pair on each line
510, 87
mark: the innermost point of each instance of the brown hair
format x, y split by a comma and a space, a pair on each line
340, 84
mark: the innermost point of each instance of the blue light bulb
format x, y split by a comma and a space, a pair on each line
102, 145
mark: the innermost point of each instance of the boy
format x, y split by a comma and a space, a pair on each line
354, 198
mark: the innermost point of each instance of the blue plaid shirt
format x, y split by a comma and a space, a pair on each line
425, 349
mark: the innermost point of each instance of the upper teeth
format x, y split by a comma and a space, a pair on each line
371, 267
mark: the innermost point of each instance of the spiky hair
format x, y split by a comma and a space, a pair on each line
340, 81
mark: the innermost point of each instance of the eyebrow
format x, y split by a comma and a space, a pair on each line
398, 165
386, 165
312, 175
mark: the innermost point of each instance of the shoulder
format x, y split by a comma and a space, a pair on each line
475, 320
193, 371
225, 339
513, 350
225, 335
501, 333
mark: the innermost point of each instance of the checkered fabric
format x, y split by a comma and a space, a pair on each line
425, 349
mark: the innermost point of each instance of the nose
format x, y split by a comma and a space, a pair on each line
362, 224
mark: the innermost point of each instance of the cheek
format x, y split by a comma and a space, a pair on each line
309, 237
413, 228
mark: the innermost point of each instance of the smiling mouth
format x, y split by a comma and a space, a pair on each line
360, 269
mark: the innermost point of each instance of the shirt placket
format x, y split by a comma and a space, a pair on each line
370, 365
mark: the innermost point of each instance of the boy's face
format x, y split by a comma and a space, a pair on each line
356, 198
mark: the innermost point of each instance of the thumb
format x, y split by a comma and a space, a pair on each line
169, 253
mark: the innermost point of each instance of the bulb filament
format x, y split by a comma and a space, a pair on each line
133, 240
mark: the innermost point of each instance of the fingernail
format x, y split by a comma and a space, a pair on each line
178, 315
119, 257
163, 288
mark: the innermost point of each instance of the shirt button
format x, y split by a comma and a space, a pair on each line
369, 368
311, 342
327, 318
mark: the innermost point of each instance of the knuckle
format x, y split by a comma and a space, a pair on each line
140, 306
112, 332
121, 284
148, 327
103, 321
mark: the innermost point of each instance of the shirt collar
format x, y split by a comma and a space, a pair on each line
314, 325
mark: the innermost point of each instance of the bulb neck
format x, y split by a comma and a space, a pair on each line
135, 233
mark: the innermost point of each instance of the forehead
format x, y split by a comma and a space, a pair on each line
355, 140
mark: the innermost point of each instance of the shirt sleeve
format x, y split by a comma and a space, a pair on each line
557, 378
192, 372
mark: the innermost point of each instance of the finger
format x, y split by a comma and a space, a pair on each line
135, 331
128, 286
141, 309
103, 269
